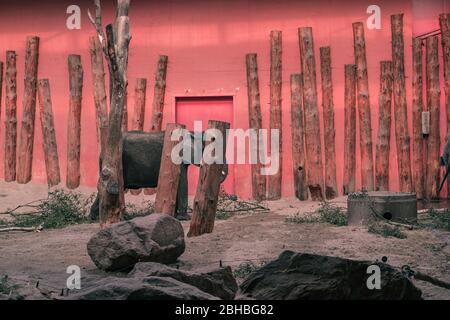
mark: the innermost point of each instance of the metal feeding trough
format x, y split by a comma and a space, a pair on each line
365, 207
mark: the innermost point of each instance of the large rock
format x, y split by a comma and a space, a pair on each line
218, 282
157, 238
308, 276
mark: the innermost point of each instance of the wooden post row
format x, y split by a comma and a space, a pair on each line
383, 146
48, 132
349, 129
298, 141
10, 116
255, 123
328, 123
312, 125
74, 124
26, 142
207, 194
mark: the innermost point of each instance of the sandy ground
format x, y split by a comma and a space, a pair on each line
255, 237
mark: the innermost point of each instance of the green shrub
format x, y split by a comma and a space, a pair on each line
245, 268
326, 213
440, 220
132, 211
386, 230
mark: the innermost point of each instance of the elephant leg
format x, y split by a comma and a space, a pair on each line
95, 209
182, 196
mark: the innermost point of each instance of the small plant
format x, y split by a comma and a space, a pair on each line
440, 220
246, 268
326, 213
5, 287
300, 219
386, 230
132, 211
223, 215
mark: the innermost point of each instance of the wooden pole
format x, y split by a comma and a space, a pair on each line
48, 133
384, 127
255, 124
400, 109
444, 22
328, 123
10, 116
1, 87
298, 137
98, 80
365, 126
417, 109
74, 124
312, 125
349, 129
139, 111
159, 94
207, 195
169, 174
433, 102
276, 84
26, 142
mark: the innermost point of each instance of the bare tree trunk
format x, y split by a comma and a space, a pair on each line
207, 195
10, 116
1, 88
328, 123
349, 129
312, 124
48, 133
25, 154
139, 111
400, 108
276, 84
433, 102
298, 137
255, 123
365, 126
384, 127
74, 125
417, 109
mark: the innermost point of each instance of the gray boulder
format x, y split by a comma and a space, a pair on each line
157, 238
307, 276
218, 282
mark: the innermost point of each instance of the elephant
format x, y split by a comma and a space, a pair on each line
141, 159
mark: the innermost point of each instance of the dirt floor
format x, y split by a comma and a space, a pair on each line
258, 237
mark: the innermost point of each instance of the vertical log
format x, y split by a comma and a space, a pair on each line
125, 112
139, 112
169, 174
328, 123
312, 124
433, 102
10, 116
255, 124
159, 94
384, 127
274, 181
98, 79
400, 109
365, 126
444, 22
207, 194
417, 109
74, 124
26, 142
298, 140
1, 87
349, 129
48, 133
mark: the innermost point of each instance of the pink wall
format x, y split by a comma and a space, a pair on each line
206, 42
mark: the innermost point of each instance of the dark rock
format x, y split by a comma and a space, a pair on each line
157, 237
218, 282
309, 276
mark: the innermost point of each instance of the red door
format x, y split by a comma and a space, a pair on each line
202, 109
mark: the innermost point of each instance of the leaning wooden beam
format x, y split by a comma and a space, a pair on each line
383, 146
276, 84
417, 109
400, 109
433, 102
169, 173
74, 124
10, 116
255, 124
365, 126
26, 142
312, 125
48, 133
207, 195
298, 137
349, 129
328, 123
139, 111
